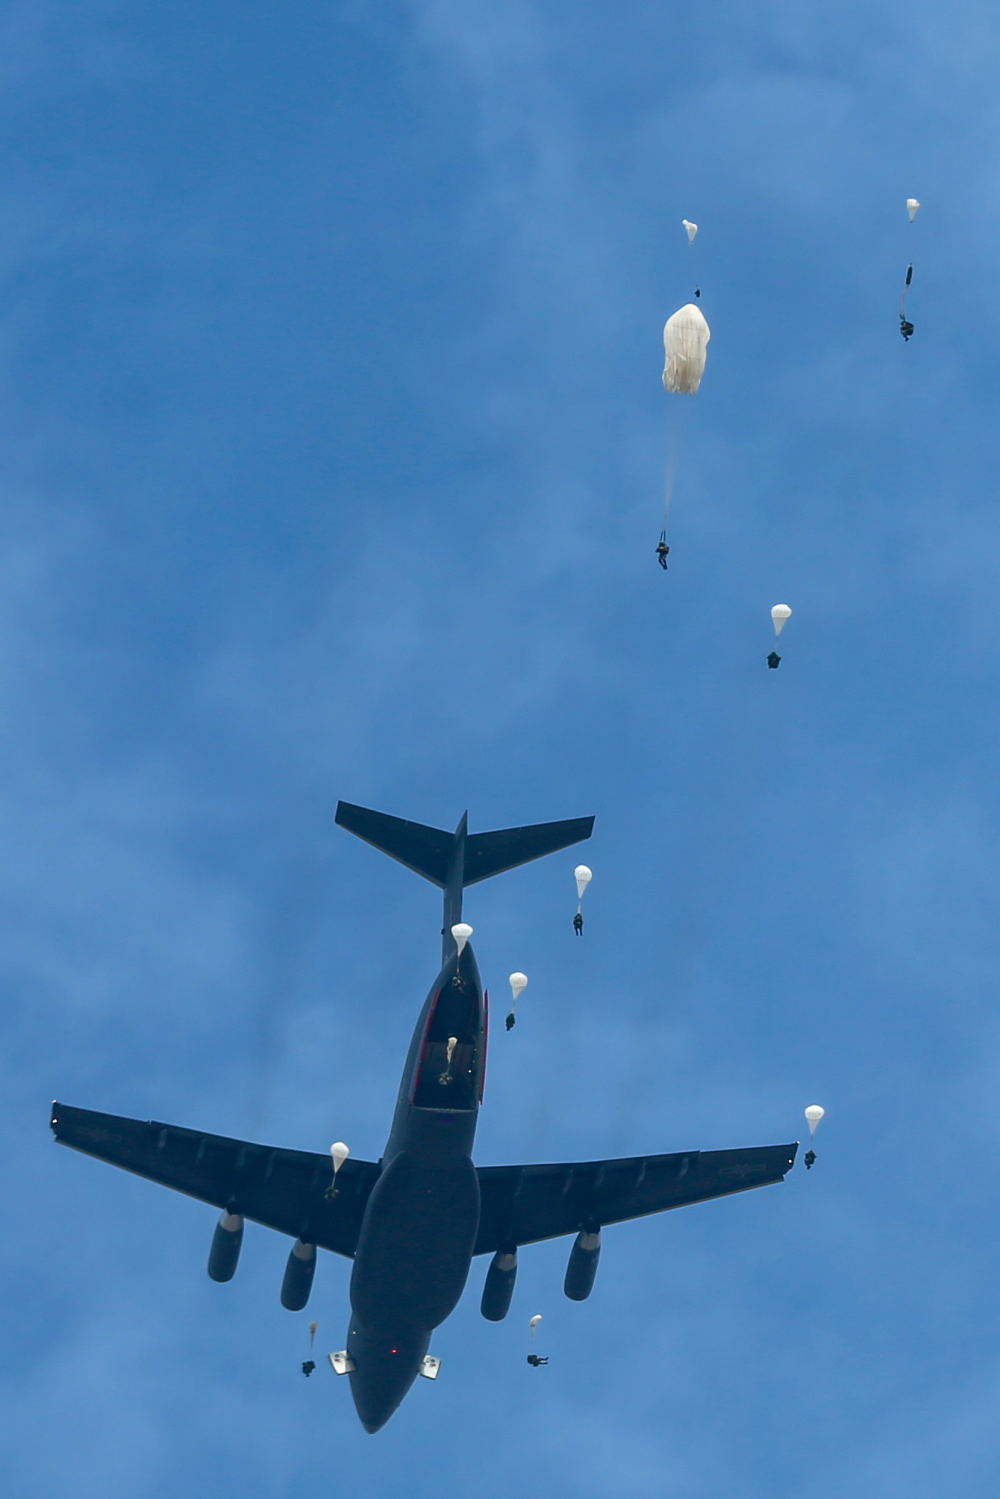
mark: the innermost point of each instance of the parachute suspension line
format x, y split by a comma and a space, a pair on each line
692, 233
904, 327
674, 434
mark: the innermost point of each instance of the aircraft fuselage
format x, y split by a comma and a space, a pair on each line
419, 1228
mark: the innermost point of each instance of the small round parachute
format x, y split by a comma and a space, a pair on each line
685, 346
312, 1333
534, 1323
461, 932
780, 615
912, 204
518, 981
583, 877
814, 1114
339, 1153
692, 229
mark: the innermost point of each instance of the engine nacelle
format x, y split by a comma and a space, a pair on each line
299, 1274
582, 1267
499, 1286
227, 1241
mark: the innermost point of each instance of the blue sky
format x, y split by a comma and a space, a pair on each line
331, 461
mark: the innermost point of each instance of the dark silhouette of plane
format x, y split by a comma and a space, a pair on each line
413, 1222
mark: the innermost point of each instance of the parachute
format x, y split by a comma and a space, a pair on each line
814, 1114
461, 932
905, 327
533, 1358
780, 615
518, 981
685, 345
338, 1155
309, 1364
583, 878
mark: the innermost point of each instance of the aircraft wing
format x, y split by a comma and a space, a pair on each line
283, 1189
522, 1204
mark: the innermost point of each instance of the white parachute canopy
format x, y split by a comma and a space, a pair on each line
534, 1323
583, 877
518, 981
461, 932
780, 614
339, 1153
814, 1114
685, 344
912, 204
692, 230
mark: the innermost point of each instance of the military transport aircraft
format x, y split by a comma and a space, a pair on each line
413, 1222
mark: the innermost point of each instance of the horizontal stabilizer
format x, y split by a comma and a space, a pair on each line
426, 851
430, 851
487, 854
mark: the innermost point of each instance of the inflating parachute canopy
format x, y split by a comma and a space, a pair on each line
912, 204
780, 615
685, 345
814, 1114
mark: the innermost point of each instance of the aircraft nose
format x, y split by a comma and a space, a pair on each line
385, 1367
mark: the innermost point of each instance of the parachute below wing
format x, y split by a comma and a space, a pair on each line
912, 204
692, 230
685, 345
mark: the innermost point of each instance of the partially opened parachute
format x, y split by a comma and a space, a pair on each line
685, 345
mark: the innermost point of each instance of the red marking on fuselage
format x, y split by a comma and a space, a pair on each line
486, 1037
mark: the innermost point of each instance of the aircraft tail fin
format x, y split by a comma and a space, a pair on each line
432, 853
454, 860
